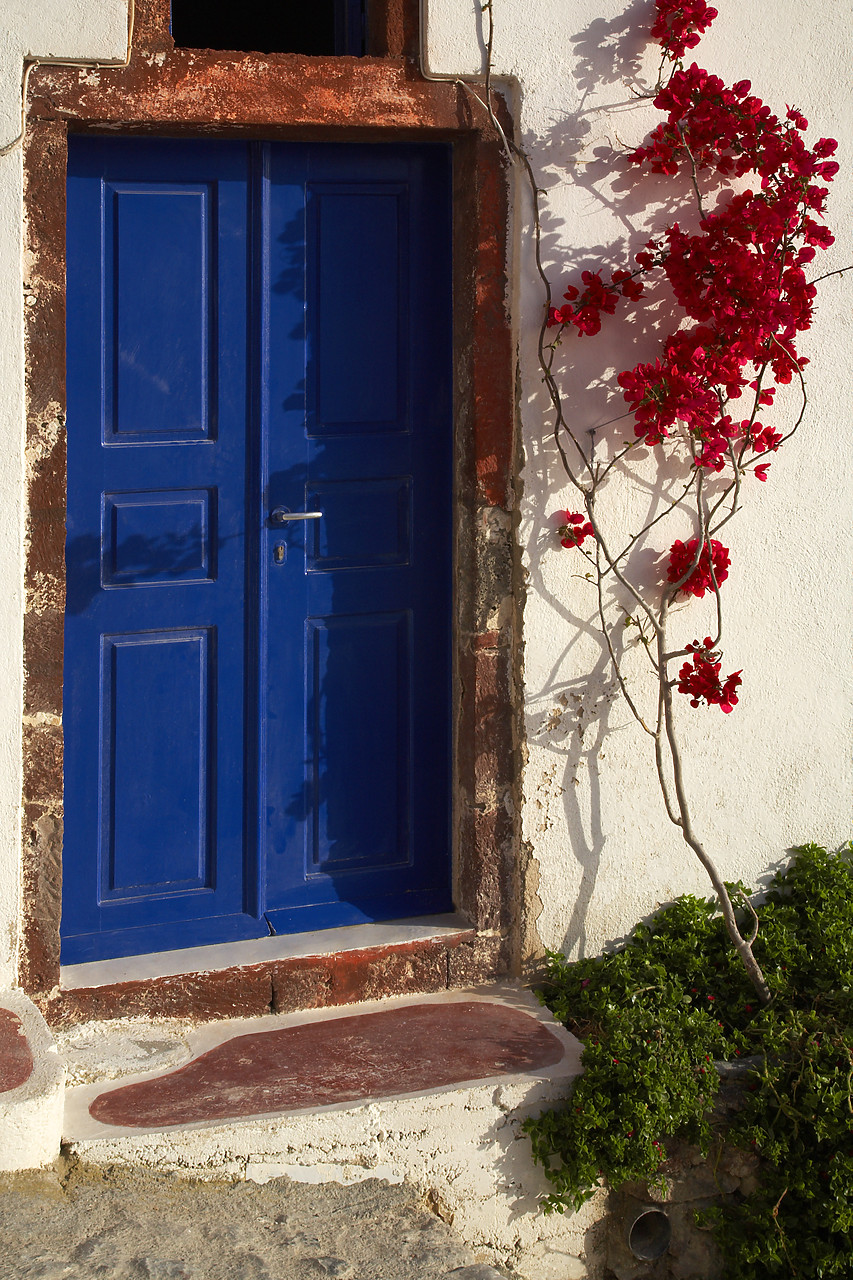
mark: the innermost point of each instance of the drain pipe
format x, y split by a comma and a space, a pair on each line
649, 1234
423, 56
483, 78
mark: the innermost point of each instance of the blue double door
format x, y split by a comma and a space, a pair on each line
257, 643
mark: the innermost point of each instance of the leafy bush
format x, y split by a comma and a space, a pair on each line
657, 1012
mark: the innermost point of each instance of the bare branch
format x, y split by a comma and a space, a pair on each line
751, 909
693, 178
741, 945
660, 766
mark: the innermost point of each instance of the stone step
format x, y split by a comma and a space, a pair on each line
430, 1090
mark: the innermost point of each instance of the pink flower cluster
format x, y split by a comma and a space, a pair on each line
727, 129
573, 529
584, 309
740, 278
682, 556
701, 678
679, 24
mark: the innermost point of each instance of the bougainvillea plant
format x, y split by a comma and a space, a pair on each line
737, 272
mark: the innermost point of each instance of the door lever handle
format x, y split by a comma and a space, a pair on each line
280, 515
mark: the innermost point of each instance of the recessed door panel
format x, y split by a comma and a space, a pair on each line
158, 537
360, 811
359, 264
156, 806
161, 312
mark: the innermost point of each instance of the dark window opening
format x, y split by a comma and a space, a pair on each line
315, 27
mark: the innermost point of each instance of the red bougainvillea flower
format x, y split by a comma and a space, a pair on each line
585, 309
573, 528
761, 471
700, 679
682, 555
630, 287
765, 439
679, 23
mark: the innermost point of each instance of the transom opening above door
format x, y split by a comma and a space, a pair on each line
318, 28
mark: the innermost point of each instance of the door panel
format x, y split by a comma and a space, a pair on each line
163, 309
156, 848
156, 549
349, 824
257, 711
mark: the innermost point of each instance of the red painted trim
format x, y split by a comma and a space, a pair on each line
16, 1056
369, 1055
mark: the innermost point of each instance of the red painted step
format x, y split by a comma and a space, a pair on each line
16, 1058
370, 1055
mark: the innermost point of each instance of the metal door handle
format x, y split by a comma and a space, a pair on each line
280, 515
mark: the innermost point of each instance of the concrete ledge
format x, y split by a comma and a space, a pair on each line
31, 1111
285, 946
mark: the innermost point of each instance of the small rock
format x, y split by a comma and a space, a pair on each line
165, 1269
334, 1266
84, 1250
479, 1271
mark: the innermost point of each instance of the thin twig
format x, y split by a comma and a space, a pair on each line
613, 658
829, 274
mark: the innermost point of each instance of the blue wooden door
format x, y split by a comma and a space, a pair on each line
257, 644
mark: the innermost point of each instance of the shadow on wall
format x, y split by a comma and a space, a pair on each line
570, 715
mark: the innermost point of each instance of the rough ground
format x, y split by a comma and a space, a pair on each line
85, 1223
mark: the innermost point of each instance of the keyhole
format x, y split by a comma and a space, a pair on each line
279, 553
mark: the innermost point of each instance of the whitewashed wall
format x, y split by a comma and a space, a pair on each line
49, 29
777, 771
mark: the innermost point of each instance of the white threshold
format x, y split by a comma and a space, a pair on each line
281, 946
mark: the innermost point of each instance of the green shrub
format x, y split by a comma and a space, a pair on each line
655, 1014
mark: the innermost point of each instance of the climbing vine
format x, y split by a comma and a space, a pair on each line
736, 265
712, 410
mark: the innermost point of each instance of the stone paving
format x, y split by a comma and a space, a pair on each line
83, 1223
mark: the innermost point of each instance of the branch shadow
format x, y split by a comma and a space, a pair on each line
572, 715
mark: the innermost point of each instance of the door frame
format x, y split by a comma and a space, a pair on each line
284, 96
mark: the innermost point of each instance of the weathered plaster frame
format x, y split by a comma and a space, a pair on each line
184, 91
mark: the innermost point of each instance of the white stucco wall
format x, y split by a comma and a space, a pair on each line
95, 29
777, 771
